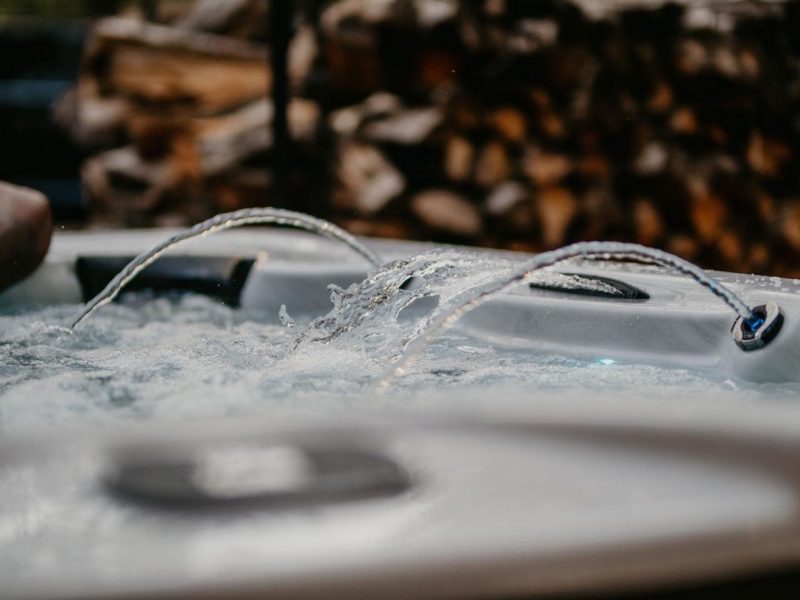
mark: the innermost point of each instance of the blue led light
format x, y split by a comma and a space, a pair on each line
754, 323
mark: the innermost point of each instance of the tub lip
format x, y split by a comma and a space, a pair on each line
768, 432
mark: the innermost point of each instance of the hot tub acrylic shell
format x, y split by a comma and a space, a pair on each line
548, 498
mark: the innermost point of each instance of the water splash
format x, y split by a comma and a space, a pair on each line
473, 296
179, 358
285, 318
382, 313
247, 216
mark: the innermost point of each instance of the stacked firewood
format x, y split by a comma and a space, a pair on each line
177, 116
534, 124
507, 123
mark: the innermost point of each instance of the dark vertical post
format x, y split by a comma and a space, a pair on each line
280, 32
149, 9
319, 200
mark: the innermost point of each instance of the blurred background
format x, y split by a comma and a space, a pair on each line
522, 124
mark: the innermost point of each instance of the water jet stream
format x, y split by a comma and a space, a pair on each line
246, 216
447, 315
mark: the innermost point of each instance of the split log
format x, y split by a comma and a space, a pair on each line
661, 98
666, 137
648, 223
594, 166
759, 259
167, 162
366, 180
691, 57
708, 214
557, 207
448, 212
511, 204
242, 188
124, 189
493, 165
545, 168
459, 157
767, 156
351, 32
238, 18
92, 120
683, 246
684, 121
175, 69
730, 247
510, 123
229, 140
409, 126
601, 216
505, 196
349, 121
790, 224
382, 118
651, 159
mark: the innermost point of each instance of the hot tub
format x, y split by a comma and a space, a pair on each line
560, 440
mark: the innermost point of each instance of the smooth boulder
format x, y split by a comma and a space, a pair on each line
26, 227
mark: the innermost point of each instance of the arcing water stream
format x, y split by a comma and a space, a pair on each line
246, 216
472, 298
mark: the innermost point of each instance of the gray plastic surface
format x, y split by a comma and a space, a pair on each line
589, 496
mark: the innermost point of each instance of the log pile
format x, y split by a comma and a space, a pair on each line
177, 116
534, 124
506, 123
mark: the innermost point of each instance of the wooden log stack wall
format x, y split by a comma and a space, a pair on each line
177, 116
505, 123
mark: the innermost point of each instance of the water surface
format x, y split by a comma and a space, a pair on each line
182, 358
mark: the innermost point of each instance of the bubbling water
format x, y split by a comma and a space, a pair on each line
382, 313
246, 216
148, 360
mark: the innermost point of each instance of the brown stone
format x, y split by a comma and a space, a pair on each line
25, 230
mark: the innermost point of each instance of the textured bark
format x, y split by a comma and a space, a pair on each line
175, 69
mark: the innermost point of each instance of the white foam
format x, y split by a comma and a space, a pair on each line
192, 358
